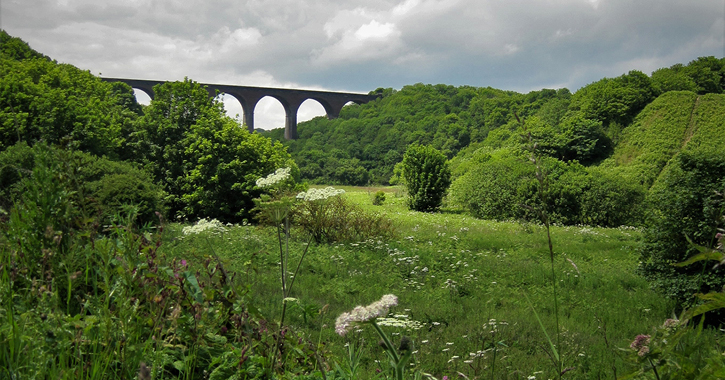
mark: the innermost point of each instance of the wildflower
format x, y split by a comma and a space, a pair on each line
204, 225
365, 313
643, 351
640, 344
670, 323
278, 176
319, 194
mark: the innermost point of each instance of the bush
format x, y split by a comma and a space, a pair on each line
334, 219
496, 184
379, 198
495, 187
99, 187
683, 204
427, 177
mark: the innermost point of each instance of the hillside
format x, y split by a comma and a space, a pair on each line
675, 121
366, 142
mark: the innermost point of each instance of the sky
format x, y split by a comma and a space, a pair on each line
361, 45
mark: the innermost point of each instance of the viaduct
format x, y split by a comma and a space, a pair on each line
248, 97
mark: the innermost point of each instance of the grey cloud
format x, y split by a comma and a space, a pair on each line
515, 44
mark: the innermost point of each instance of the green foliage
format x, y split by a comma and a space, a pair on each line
102, 186
658, 133
427, 177
708, 73
116, 307
495, 184
615, 100
373, 137
675, 350
379, 198
674, 78
207, 162
61, 104
611, 200
15, 48
684, 204
584, 140
335, 220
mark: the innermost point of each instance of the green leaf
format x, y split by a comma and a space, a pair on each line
194, 286
715, 301
553, 348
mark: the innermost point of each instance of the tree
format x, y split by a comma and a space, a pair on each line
61, 104
427, 177
206, 161
684, 205
615, 100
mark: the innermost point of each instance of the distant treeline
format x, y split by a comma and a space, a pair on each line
367, 141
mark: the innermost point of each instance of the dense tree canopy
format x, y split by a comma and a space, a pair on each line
205, 161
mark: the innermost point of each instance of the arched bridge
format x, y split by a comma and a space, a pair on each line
248, 97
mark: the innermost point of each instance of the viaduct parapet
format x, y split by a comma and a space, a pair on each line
291, 99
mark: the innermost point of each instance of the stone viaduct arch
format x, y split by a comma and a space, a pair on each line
291, 99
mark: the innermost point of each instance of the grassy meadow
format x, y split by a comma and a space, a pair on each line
475, 287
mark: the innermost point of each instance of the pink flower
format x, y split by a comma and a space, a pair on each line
365, 313
639, 341
640, 344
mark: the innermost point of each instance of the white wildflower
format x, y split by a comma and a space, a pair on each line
204, 225
319, 194
365, 313
278, 176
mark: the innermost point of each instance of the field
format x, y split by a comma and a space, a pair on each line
476, 288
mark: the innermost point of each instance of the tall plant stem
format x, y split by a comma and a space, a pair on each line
282, 263
556, 298
391, 350
657, 375
294, 275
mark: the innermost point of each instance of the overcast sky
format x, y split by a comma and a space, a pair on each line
360, 45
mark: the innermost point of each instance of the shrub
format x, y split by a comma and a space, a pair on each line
100, 187
379, 198
496, 184
495, 188
334, 219
427, 177
683, 204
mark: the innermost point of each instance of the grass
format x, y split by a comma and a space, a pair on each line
209, 305
466, 281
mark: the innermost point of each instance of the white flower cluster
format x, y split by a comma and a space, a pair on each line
204, 225
278, 176
365, 313
405, 323
319, 194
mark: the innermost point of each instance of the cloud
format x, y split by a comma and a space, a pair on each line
358, 45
